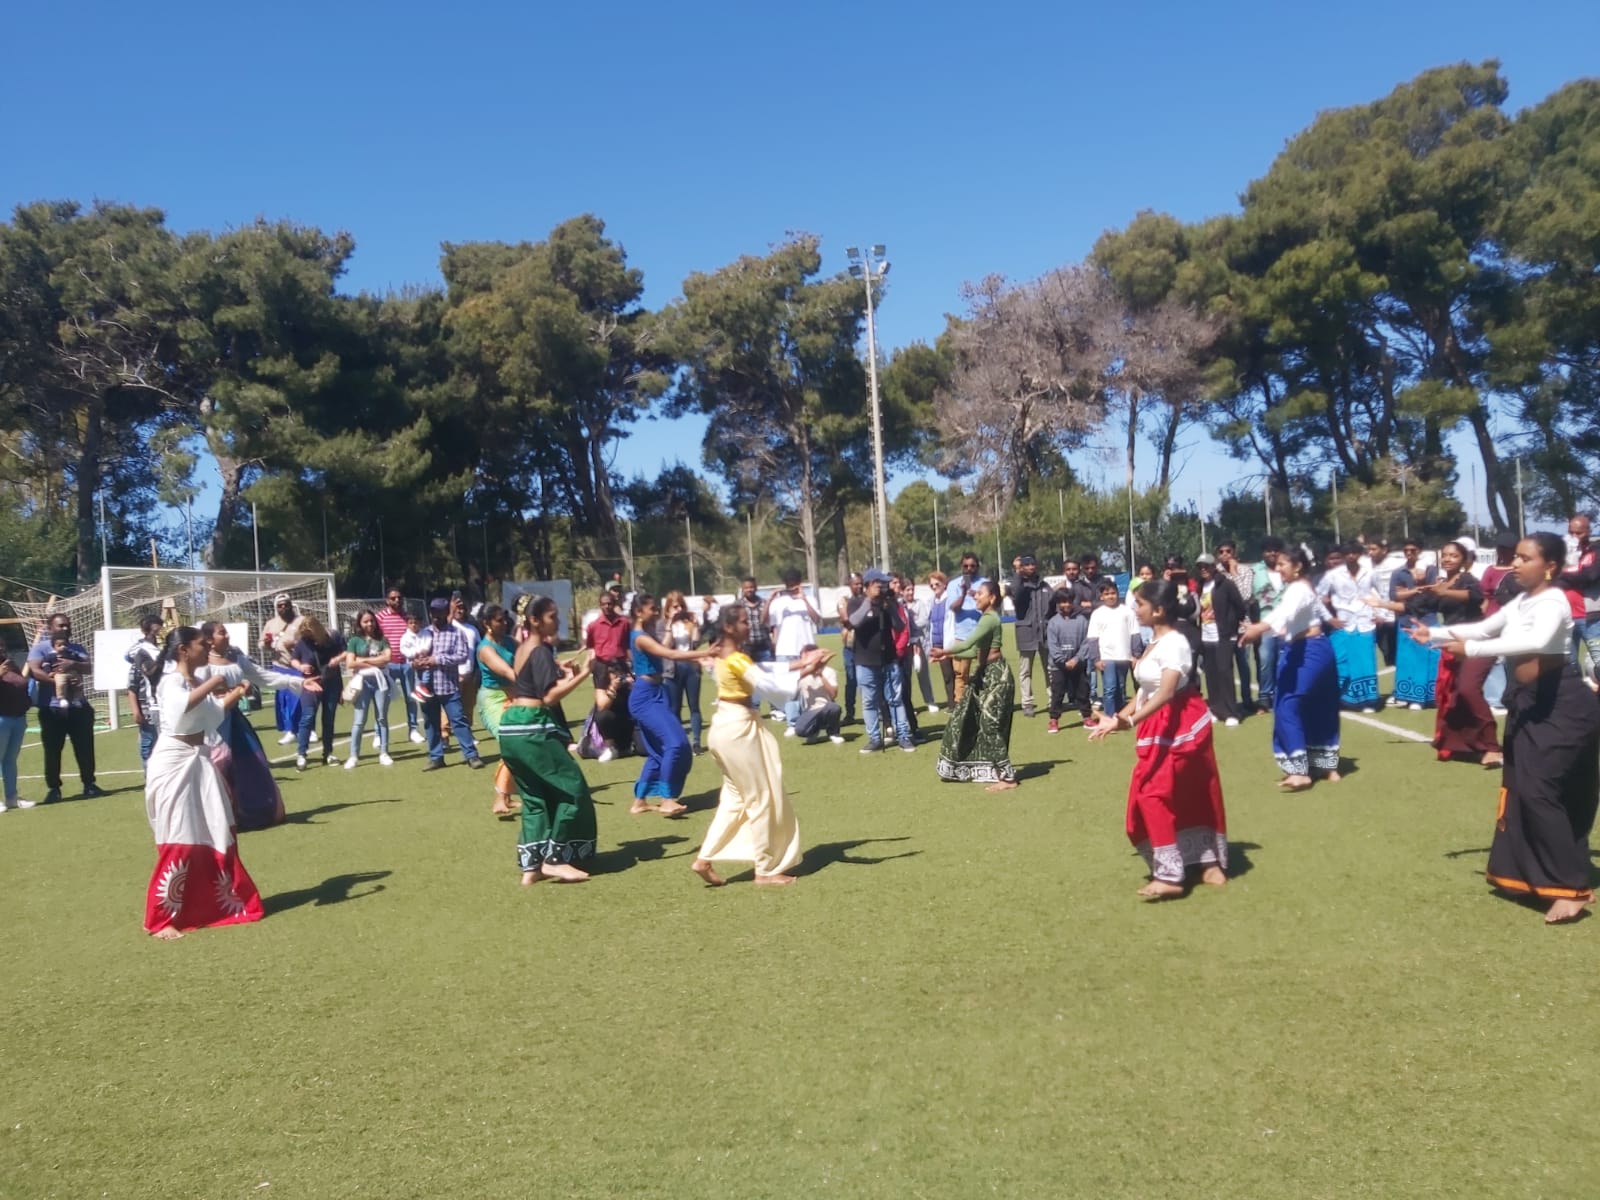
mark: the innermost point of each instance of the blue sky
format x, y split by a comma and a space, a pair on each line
968, 138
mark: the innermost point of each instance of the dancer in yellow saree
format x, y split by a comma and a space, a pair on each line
754, 822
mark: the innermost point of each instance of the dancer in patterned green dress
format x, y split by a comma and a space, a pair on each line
977, 741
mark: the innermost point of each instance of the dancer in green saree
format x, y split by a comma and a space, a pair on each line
977, 741
558, 822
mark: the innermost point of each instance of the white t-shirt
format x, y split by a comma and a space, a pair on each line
1115, 629
790, 616
1347, 596
1208, 616
1169, 652
814, 692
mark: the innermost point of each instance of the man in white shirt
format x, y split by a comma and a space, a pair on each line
793, 621
1344, 588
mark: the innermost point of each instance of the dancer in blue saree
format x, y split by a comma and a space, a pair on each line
1305, 714
667, 752
235, 748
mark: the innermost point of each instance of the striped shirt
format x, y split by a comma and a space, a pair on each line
393, 625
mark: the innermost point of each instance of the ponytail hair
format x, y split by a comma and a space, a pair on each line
180, 638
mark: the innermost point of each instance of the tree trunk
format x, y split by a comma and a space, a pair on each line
1169, 443
1133, 435
232, 471
1499, 493
88, 481
604, 517
808, 515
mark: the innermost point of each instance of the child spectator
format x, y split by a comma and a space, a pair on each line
1112, 631
1066, 637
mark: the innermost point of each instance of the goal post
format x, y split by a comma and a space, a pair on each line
106, 619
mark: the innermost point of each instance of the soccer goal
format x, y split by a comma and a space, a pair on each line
107, 620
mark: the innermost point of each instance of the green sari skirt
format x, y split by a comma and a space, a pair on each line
558, 821
977, 741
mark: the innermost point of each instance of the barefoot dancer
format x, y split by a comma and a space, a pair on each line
558, 822
754, 822
1551, 782
668, 756
977, 740
1305, 713
198, 879
1175, 814
1464, 728
496, 652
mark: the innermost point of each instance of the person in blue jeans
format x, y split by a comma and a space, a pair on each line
141, 692
875, 619
1112, 631
14, 705
446, 653
1584, 579
1269, 587
317, 656
847, 636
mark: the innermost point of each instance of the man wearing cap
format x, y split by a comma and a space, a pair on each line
278, 637
1030, 601
444, 658
875, 619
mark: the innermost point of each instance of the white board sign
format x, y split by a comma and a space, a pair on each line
111, 646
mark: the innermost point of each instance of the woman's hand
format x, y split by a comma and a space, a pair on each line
1418, 633
1456, 647
1104, 728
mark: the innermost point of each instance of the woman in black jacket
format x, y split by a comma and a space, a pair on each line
1222, 611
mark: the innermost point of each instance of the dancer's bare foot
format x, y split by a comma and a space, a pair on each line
671, 808
1214, 877
1157, 890
529, 878
1294, 783
563, 873
502, 807
169, 934
1002, 785
640, 806
1334, 777
775, 880
703, 868
1562, 911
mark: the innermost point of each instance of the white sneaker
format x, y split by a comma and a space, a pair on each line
300, 762
416, 736
385, 761
350, 763
776, 715
1232, 722
374, 739
789, 732
836, 740
606, 755
19, 802
1369, 711
1497, 710
1416, 708
933, 708
286, 740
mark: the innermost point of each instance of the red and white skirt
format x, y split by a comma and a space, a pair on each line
1175, 814
198, 878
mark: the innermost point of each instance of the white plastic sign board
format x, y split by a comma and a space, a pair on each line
111, 646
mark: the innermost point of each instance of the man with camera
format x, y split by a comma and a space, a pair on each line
875, 618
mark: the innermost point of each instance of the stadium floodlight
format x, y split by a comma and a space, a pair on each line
870, 271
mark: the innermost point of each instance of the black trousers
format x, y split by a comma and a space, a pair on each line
56, 725
1216, 658
1069, 686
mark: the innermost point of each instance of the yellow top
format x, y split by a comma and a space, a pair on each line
731, 685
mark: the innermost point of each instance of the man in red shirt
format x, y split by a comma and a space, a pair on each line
607, 637
392, 622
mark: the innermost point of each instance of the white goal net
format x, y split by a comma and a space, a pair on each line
106, 619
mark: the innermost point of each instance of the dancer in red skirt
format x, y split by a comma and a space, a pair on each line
198, 879
1465, 729
1175, 814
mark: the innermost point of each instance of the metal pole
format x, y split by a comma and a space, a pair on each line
107, 616
1130, 530
383, 573
325, 537
1061, 506
688, 531
102, 497
999, 555
750, 540
188, 526
1522, 513
1405, 506
1266, 498
1333, 482
633, 570
937, 562
1202, 518
877, 420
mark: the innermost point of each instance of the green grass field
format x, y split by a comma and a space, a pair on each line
961, 997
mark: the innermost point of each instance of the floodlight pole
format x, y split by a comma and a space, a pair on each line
872, 269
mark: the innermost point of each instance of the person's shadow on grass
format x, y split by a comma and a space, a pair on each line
822, 856
333, 890
304, 816
1239, 862
630, 854
1038, 770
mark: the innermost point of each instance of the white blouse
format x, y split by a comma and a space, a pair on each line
1298, 611
1169, 652
1531, 624
244, 669
177, 718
